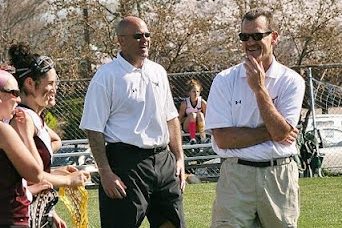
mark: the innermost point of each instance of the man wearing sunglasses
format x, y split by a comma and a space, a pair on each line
252, 112
129, 107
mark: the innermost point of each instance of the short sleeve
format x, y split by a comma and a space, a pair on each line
218, 113
290, 102
96, 107
171, 110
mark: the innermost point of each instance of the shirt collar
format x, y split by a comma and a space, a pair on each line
126, 65
272, 72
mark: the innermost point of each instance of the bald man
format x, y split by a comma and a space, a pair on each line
134, 134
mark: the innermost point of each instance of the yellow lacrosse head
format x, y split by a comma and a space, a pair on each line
76, 201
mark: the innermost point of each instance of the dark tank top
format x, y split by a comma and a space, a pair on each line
44, 153
13, 201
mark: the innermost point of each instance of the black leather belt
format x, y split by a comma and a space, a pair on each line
275, 162
154, 150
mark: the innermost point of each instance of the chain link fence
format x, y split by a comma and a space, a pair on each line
200, 158
71, 93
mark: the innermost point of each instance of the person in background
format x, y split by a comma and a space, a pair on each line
252, 113
16, 161
134, 135
192, 112
37, 81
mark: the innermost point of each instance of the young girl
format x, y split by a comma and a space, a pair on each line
37, 81
192, 112
16, 161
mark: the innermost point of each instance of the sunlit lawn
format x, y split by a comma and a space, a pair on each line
321, 204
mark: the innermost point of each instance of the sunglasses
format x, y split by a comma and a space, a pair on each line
256, 36
138, 36
14, 92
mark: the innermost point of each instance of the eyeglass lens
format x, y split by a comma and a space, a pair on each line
256, 36
14, 92
138, 36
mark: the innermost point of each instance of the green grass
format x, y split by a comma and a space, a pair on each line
320, 199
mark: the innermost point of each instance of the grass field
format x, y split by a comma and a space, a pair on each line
320, 199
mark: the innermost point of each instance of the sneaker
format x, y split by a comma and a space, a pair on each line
192, 142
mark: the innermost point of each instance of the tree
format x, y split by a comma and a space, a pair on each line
21, 20
312, 38
187, 35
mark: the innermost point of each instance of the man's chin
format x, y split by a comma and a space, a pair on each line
145, 54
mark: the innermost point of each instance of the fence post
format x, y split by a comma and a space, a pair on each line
317, 158
312, 99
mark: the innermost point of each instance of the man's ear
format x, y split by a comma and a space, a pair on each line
121, 40
275, 38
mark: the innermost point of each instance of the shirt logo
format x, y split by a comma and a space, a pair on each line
238, 102
155, 83
274, 99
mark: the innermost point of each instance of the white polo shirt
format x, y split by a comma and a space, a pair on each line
232, 103
130, 105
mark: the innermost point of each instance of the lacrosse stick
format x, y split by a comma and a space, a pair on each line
76, 201
40, 208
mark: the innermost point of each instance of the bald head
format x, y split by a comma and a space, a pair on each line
127, 23
4, 77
